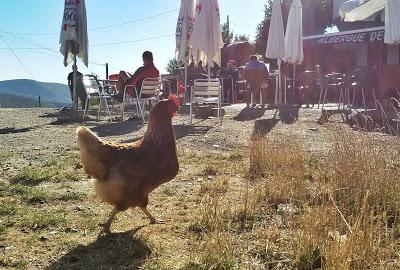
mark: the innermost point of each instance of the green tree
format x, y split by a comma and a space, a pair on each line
227, 34
241, 38
173, 65
262, 30
317, 16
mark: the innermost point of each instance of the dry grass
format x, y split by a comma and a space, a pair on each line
344, 209
274, 207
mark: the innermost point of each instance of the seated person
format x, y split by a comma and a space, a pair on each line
255, 74
214, 70
231, 75
148, 70
80, 89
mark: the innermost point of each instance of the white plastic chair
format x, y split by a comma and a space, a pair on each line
93, 92
150, 91
206, 91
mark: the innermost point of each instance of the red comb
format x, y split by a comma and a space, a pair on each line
174, 99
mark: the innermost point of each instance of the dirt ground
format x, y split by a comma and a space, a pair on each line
31, 139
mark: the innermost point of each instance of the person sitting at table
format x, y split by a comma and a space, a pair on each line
230, 76
148, 70
255, 73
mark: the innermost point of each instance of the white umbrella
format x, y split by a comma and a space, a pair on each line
184, 29
392, 22
206, 40
294, 37
74, 38
275, 45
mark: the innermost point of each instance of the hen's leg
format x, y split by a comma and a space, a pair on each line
153, 220
106, 226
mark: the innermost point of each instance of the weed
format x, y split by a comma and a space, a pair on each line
12, 262
31, 195
71, 196
6, 155
40, 221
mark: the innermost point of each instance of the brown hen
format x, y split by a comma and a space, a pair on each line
124, 174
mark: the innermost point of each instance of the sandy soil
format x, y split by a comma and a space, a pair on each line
31, 137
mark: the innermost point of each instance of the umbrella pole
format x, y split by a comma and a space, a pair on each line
75, 97
279, 82
184, 97
209, 72
294, 78
276, 88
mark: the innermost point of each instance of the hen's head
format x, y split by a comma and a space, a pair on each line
165, 109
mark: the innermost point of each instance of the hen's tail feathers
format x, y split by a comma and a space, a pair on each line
86, 137
92, 153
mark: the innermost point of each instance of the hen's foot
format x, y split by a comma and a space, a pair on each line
106, 226
157, 221
105, 230
153, 220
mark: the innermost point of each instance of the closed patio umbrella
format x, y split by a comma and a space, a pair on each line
206, 40
294, 37
275, 44
184, 29
392, 22
74, 39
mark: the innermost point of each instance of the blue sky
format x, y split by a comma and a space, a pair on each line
22, 18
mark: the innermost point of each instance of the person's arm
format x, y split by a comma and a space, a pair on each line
136, 76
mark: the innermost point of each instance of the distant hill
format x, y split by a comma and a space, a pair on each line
12, 101
21, 93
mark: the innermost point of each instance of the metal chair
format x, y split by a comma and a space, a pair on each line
334, 83
150, 91
306, 81
206, 91
93, 92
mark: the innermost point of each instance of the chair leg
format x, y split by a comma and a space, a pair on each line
99, 109
354, 96
86, 109
232, 92
140, 110
221, 98
107, 108
373, 93
340, 98
122, 107
320, 96
323, 101
363, 98
191, 107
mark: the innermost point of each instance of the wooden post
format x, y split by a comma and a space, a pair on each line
40, 104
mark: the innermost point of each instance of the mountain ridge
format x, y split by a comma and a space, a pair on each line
53, 93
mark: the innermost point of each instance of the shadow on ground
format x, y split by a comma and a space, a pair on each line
117, 128
49, 115
248, 114
116, 251
182, 131
289, 114
14, 130
263, 126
